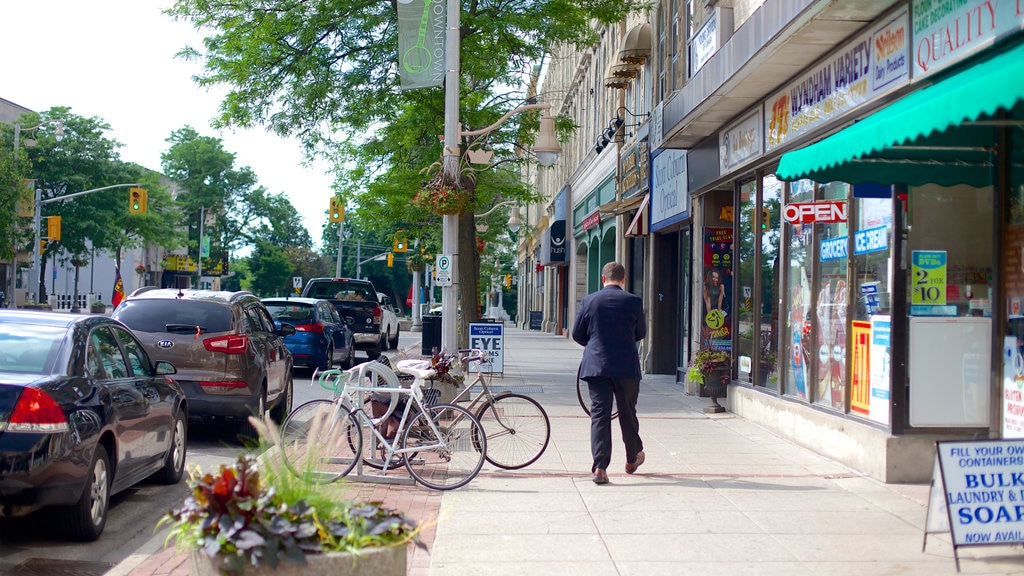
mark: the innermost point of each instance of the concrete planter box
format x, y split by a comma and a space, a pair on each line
388, 561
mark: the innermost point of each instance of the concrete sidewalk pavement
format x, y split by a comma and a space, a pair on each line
716, 495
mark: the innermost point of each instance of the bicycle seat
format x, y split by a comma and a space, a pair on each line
417, 368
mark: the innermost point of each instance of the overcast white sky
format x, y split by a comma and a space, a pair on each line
115, 59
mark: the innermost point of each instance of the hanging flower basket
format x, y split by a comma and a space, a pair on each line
416, 262
140, 269
442, 199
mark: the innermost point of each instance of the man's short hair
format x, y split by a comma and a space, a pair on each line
613, 271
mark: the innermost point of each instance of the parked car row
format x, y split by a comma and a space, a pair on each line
92, 405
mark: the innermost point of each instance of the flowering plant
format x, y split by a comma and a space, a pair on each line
441, 199
140, 269
707, 361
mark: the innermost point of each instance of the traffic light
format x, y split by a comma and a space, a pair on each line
508, 280
53, 228
391, 259
337, 211
137, 200
401, 243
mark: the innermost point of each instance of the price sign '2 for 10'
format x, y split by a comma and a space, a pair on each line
929, 273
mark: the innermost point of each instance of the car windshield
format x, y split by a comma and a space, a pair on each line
159, 315
290, 312
29, 348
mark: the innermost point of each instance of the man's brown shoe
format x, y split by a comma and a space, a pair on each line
630, 468
600, 476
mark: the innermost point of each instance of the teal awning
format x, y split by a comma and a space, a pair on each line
941, 134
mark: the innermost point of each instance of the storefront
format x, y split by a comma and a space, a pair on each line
670, 257
873, 294
594, 237
554, 257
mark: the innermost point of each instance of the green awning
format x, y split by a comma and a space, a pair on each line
941, 134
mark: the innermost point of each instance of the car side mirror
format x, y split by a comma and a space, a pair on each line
164, 367
285, 329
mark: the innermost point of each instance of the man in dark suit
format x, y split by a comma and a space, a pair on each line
609, 324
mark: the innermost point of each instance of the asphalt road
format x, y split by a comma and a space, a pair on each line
31, 546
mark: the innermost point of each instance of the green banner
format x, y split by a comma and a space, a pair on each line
421, 39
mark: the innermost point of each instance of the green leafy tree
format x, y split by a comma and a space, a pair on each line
84, 159
318, 69
271, 270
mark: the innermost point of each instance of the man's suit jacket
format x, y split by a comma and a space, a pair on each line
609, 324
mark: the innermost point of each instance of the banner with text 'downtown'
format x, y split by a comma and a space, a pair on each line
421, 39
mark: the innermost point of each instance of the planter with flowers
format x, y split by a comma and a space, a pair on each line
416, 261
711, 368
441, 198
256, 517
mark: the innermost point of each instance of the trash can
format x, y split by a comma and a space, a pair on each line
431, 333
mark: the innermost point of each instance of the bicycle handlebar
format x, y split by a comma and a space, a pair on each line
476, 355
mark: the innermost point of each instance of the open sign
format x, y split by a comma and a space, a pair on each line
825, 212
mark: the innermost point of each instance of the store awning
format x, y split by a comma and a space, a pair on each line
941, 134
616, 207
641, 223
636, 45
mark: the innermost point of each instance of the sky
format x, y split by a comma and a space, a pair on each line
114, 59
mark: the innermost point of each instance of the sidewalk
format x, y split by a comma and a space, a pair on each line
716, 495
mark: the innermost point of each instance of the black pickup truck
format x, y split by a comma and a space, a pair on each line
355, 299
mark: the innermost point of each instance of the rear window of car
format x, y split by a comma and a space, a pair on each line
290, 312
331, 290
174, 316
29, 348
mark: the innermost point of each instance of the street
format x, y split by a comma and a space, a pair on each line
27, 547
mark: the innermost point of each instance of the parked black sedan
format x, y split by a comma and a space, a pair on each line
84, 414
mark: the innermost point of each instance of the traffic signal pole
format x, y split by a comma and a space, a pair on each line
34, 277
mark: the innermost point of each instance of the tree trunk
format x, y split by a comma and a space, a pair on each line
469, 274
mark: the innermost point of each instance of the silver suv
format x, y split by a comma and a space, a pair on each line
231, 360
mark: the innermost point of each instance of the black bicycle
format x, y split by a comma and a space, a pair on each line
583, 394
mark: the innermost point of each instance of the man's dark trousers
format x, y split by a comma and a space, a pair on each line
625, 392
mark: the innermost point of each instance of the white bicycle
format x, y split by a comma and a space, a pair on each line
442, 446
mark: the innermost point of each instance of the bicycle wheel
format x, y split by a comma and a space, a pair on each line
320, 441
583, 395
517, 430
374, 451
450, 460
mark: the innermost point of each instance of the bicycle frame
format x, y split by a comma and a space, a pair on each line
349, 398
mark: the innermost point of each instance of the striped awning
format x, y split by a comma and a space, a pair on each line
641, 224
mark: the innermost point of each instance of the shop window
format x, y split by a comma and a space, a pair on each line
871, 311
831, 306
798, 240
771, 270
747, 329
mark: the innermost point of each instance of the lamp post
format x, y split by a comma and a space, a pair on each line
546, 148
37, 216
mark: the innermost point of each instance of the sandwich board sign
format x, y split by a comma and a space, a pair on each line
977, 493
489, 337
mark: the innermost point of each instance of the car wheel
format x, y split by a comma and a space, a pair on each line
329, 359
88, 516
284, 403
174, 463
246, 431
393, 342
350, 360
374, 353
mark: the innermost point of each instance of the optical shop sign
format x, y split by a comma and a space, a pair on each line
982, 491
489, 337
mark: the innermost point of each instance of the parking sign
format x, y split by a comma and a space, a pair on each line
443, 269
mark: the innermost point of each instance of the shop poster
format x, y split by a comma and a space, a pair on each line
716, 288
860, 380
831, 312
878, 360
799, 332
1013, 389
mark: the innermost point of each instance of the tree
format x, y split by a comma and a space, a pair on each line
85, 159
318, 69
271, 271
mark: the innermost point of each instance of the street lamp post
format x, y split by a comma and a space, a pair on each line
546, 148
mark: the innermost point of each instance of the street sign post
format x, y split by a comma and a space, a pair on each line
443, 270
